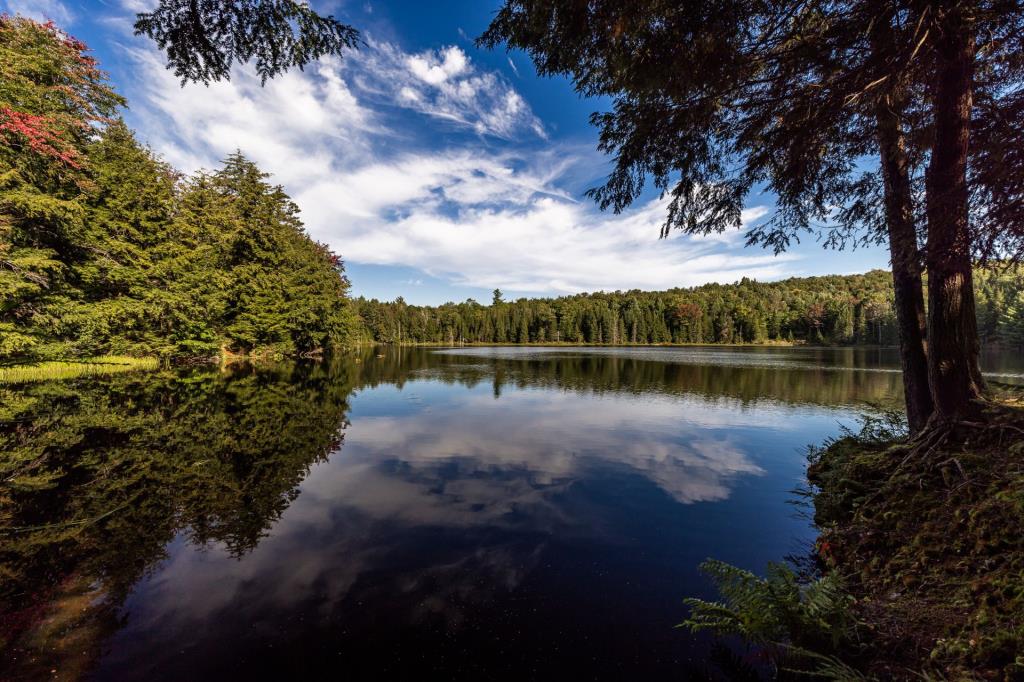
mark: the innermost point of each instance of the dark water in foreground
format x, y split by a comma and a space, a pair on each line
470, 513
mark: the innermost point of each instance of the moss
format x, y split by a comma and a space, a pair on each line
931, 540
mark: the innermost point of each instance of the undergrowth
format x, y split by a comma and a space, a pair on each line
800, 625
921, 558
931, 542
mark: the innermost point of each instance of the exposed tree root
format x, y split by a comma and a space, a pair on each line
930, 535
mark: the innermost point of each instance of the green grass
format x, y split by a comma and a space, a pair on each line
71, 369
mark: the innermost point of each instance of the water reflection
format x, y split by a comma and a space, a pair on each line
749, 377
100, 476
548, 438
490, 510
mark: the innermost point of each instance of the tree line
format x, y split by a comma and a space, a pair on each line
105, 248
837, 309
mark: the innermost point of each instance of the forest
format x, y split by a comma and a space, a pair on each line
838, 309
106, 249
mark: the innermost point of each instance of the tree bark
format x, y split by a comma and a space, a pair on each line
906, 267
899, 218
953, 369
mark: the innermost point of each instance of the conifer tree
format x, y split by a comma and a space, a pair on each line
52, 94
204, 38
104, 248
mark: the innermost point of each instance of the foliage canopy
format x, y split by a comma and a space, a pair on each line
104, 248
203, 38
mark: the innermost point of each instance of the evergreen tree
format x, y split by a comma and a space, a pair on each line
203, 38
284, 292
1012, 321
853, 309
52, 98
104, 248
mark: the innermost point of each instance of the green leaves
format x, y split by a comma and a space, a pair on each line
799, 622
850, 309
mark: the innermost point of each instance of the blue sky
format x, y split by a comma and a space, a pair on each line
438, 171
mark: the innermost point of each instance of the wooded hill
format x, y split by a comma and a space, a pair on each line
836, 309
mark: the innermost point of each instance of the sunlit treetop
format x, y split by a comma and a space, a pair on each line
52, 93
204, 38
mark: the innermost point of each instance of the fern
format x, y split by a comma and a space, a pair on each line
826, 667
794, 618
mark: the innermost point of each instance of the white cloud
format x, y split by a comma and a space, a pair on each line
505, 231
41, 10
436, 69
445, 84
483, 206
139, 5
298, 127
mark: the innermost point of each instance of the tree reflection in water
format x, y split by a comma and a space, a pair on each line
103, 476
100, 475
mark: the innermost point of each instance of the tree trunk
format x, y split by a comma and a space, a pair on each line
953, 369
906, 267
899, 218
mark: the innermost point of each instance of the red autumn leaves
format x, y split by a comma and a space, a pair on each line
39, 134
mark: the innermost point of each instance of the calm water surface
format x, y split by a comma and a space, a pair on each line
468, 513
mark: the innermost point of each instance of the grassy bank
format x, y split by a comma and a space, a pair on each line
71, 369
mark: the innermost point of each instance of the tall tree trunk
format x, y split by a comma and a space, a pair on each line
906, 268
953, 369
899, 218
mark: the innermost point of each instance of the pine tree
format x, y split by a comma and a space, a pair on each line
1011, 321
105, 248
204, 38
52, 95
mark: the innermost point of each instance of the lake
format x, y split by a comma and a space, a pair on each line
469, 512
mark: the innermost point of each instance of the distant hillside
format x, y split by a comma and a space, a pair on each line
835, 309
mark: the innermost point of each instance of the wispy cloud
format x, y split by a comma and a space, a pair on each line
41, 10
487, 204
446, 85
300, 126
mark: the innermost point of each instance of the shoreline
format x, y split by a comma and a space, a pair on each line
575, 344
928, 539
